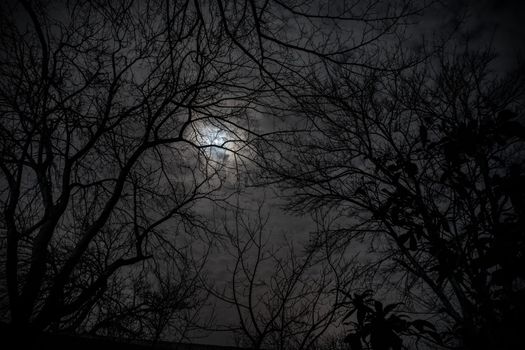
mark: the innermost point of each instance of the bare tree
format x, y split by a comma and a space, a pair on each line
283, 295
106, 112
108, 116
425, 166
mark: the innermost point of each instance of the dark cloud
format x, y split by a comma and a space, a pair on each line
496, 20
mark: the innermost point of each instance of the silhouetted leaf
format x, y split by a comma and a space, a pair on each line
378, 306
419, 232
444, 224
413, 243
391, 307
423, 134
502, 277
506, 115
436, 337
349, 314
411, 169
403, 238
361, 314
392, 167
360, 191
421, 325
353, 341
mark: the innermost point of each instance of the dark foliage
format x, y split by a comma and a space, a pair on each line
426, 166
379, 327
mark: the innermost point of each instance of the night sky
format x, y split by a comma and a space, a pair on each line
264, 174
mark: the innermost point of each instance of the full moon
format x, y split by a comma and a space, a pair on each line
215, 141
220, 142
214, 136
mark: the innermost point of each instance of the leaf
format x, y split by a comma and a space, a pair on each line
391, 307
441, 277
392, 167
501, 277
361, 314
398, 324
421, 324
363, 296
395, 342
506, 115
378, 306
445, 225
360, 191
349, 314
411, 169
413, 243
423, 134
446, 175
436, 337
353, 339
403, 238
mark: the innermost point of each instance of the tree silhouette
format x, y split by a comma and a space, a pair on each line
282, 297
104, 110
380, 327
102, 106
426, 166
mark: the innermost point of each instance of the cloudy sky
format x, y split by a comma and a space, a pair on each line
500, 22
202, 144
